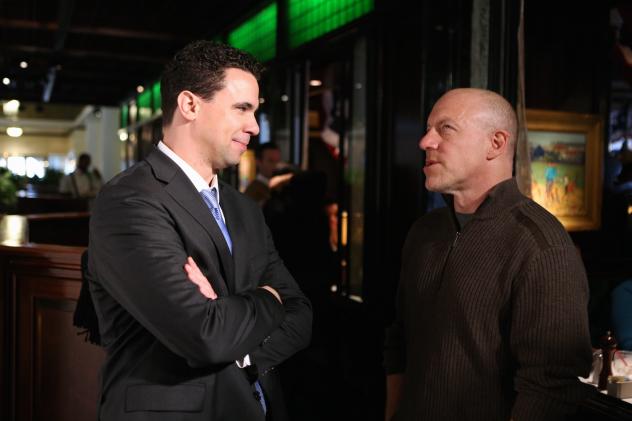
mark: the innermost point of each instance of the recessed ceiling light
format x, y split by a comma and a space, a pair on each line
24, 64
6, 81
140, 88
11, 107
315, 82
14, 131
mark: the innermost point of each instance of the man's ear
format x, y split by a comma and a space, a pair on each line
498, 145
188, 105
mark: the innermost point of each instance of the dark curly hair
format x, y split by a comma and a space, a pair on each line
200, 67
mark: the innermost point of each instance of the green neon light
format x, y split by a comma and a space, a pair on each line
144, 105
310, 19
124, 115
155, 90
257, 35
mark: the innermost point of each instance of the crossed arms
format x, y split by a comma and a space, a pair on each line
137, 254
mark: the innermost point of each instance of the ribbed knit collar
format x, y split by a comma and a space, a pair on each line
500, 198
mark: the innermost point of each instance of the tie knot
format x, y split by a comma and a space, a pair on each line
210, 196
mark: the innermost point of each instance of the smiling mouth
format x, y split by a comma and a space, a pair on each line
243, 143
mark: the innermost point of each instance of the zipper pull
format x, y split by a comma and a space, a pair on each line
456, 238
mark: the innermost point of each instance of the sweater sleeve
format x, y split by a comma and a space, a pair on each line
394, 344
550, 340
395, 338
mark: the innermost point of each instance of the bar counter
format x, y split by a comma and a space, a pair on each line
48, 371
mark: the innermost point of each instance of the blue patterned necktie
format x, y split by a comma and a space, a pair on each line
210, 198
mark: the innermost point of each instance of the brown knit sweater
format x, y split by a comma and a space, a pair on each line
492, 319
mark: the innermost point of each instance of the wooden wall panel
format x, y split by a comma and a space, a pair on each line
63, 365
54, 371
5, 372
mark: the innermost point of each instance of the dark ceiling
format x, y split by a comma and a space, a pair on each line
98, 51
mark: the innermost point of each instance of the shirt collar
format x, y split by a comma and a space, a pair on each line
195, 177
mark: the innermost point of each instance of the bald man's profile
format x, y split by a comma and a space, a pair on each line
492, 302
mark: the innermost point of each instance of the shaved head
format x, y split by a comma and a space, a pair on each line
493, 111
469, 145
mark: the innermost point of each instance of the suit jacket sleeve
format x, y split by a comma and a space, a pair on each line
294, 333
138, 256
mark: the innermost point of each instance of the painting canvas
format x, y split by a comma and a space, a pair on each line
565, 153
558, 176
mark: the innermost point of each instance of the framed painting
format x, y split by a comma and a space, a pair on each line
566, 159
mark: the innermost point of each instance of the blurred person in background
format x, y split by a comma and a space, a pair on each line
82, 182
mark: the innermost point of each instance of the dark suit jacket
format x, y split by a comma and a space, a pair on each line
170, 351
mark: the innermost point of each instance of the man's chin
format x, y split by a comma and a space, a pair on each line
234, 160
434, 187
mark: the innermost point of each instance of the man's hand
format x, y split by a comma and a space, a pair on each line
279, 181
195, 275
273, 292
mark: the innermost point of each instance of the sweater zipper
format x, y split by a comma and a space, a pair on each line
456, 238
445, 263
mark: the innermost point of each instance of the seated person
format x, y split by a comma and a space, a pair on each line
82, 182
622, 314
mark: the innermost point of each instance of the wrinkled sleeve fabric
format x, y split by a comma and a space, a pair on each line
138, 256
550, 340
294, 332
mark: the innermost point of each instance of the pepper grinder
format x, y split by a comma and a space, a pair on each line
608, 346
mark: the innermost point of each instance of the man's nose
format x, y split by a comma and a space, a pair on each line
252, 127
428, 141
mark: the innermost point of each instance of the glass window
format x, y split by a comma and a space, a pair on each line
35, 167
17, 165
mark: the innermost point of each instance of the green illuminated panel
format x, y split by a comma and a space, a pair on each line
257, 35
310, 19
124, 115
144, 105
155, 89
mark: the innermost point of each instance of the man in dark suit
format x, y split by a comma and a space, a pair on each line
199, 342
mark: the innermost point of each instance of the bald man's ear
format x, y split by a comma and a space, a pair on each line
188, 105
498, 145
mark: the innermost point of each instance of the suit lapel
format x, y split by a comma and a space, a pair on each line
233, 216
180, 188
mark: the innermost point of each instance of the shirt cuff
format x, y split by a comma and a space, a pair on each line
244, 362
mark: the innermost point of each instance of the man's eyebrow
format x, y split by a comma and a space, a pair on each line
447, 120
247, 105
438, 122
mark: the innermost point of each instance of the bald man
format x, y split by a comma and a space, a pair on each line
491, 308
